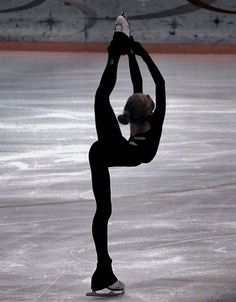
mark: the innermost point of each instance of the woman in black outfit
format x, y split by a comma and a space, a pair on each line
112, 149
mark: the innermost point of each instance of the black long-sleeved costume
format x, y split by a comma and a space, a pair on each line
112, 149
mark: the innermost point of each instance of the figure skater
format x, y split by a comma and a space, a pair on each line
112, 149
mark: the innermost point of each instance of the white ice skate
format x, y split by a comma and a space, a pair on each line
122, 25
116, 289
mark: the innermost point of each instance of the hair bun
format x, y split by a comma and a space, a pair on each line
123, 119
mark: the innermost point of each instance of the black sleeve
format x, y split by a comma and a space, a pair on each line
135, 74
160, 109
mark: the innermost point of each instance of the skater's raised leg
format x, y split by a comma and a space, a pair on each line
106, 122
104, 114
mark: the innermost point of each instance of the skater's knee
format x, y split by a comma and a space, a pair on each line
104, 212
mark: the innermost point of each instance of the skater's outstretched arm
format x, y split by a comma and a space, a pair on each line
135, 74
159, 112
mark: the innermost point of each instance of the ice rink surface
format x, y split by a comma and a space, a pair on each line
173, 229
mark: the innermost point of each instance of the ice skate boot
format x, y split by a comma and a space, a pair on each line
122, 25
121, 37
104, 283
116, 289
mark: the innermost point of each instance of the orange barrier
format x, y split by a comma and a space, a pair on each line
101, 47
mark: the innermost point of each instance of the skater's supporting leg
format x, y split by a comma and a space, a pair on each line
103, 276
102, 193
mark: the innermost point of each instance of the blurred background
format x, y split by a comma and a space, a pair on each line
89, 21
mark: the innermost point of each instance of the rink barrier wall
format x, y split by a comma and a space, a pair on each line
101, 47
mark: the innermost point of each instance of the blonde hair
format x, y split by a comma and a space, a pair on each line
138, 109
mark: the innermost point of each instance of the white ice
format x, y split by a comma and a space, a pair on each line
173, 229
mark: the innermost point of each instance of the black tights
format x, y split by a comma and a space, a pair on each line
111, 149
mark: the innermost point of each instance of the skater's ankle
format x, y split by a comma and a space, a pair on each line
104, 264
120, 44
113, 54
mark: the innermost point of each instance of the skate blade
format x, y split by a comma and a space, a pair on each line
104, 294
